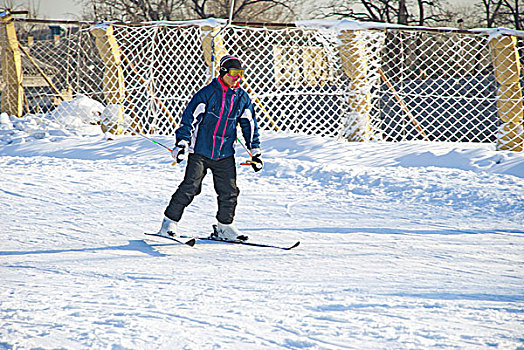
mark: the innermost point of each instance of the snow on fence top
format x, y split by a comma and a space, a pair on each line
346, 24
347, 79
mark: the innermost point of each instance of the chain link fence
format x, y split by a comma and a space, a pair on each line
385, 84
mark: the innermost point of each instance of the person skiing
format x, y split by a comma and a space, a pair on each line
205, 138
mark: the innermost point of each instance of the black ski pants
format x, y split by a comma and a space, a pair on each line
224, 179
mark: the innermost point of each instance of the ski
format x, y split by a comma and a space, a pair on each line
191, 242
246, 243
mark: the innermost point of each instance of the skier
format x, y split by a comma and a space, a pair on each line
205, 138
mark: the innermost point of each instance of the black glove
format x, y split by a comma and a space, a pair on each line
256, 160
179, 153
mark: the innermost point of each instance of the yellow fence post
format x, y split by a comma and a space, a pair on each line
506, 65
114, 86
355, 64
13, 94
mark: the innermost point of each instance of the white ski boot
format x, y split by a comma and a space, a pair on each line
169, 228
224, 232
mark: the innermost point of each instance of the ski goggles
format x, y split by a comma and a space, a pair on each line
235, 72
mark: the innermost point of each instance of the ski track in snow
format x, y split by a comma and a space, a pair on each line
403, 246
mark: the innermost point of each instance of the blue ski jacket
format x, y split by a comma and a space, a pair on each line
209, 122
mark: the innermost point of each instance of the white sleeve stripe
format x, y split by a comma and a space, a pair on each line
201, 108
249, 116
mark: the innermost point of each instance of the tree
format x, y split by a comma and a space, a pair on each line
512, 13
503, 13
431, 11
132, 10
402, 12
406, 12
491, 11
166, 10
244, 10
465, 16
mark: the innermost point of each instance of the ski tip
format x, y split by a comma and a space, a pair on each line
294, 245
189, 243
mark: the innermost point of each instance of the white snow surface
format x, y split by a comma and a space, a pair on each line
403, 246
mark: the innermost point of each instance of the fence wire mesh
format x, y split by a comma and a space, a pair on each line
391, 84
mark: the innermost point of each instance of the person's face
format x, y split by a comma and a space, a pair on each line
232, 80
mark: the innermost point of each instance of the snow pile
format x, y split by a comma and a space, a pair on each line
77, 112
75, 117
316, 154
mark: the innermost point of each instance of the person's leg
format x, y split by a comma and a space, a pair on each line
225, 183
190, 187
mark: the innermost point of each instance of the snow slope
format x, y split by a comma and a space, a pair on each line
404, 246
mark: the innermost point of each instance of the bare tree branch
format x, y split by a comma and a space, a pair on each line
158, 10
392, 11
512, 13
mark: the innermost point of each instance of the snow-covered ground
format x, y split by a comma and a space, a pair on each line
403, 246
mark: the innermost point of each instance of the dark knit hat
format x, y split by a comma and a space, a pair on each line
228, 62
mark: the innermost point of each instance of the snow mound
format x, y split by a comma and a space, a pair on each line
77, 117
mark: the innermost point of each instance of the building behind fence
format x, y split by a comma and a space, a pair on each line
330, 79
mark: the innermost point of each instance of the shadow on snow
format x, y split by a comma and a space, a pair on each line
133, 245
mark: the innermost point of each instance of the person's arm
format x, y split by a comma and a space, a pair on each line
193, 112
249, 126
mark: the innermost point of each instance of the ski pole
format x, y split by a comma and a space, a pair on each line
128, 128
155, 142
147, 138
158, 143
244, 147
247, 162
